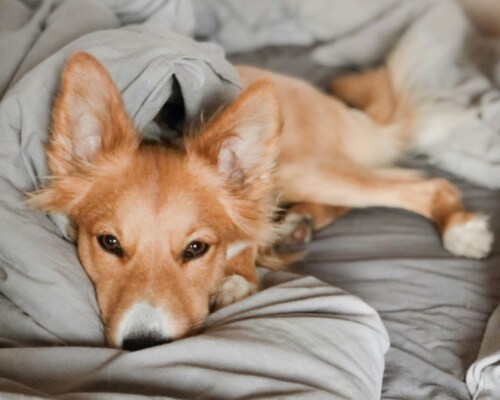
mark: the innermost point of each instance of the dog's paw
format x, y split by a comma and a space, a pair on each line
233, 289
295, 229
468, 235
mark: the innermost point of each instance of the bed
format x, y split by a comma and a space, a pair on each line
377, 308
434, 306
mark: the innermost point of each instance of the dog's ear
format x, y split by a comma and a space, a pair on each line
88, 116
89, 120
243, 139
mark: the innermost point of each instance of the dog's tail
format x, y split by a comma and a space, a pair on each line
426, 68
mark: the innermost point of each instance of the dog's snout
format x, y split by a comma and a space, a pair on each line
144, 341
144, 325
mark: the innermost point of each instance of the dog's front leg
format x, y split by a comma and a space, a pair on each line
241, 276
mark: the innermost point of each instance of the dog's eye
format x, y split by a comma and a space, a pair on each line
194, 250
110, 244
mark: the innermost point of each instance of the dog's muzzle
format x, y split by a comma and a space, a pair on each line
143, 342
143, 326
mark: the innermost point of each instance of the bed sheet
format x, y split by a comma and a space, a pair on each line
435, 306
299, 338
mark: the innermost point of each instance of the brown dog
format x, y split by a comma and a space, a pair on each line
165, 231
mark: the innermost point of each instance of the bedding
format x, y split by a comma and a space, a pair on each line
441, 312
144, 63
300, 337
440, 50
483, 375
435, 306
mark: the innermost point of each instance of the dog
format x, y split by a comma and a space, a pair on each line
165, 232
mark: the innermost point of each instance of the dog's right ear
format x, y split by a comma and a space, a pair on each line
89, 118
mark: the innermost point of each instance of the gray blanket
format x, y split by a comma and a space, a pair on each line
444, 58
297, 338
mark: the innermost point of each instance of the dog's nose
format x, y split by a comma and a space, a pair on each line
143, 342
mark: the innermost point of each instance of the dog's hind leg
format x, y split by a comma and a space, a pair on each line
302, 219
320, 215
370, 91
353, 186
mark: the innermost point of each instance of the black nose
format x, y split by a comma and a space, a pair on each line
143, 342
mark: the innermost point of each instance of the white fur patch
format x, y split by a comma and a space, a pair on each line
427, 76
472, 239
236, 248
144, 319
291, 224
234, 288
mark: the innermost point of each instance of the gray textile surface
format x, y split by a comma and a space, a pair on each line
143, 62
298, 338
440, 55
435, 306
483, 376
242, 27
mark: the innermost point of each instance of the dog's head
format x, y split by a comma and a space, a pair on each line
155, 224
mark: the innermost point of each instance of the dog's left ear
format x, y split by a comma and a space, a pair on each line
243, 139
88, 116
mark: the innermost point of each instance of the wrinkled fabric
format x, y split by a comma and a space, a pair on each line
143, 61
434, 305
361, 34
483, 376
298, 337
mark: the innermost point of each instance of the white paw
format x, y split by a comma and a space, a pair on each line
471, 238
295, 229
233, 289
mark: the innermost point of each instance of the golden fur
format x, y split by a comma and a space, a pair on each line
219, 186
332, 155
156, 199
